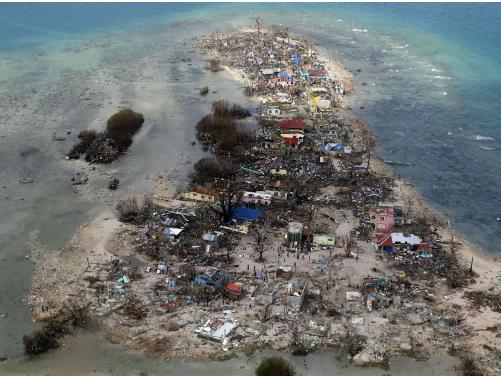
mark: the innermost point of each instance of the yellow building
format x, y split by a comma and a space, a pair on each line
324, 241
199, 197
318, 99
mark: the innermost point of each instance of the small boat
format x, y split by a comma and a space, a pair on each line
26, 181
397, 163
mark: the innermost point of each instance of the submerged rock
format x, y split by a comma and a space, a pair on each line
79, 179
113, 185
26, 181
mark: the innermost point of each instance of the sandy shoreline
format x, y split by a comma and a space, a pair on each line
59, 275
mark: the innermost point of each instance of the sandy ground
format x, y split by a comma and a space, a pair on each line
59, 274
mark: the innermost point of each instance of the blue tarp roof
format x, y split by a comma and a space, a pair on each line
297, 58
246, 214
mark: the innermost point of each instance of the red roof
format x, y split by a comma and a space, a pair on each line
172, 306
292, 124
424, 246
384, 240
233, 287
290, 140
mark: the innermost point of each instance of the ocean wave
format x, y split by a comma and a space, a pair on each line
442, 77
486, 148
483, 138
360, 30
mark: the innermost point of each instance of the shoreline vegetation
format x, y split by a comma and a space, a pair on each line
293, 236
105, 147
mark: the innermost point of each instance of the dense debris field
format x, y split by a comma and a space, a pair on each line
291, 236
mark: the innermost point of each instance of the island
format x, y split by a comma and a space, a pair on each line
292, 236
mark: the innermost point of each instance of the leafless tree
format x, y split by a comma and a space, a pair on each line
265, 313
230, 247
258, 20
260, 236
133, 308
215, 65
454, 246
229, 198
131, 211
128, 209
301, 186
298, 347
347, 245
407, 209
368, 141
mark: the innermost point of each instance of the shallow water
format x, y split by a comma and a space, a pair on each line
90, 355
67, 68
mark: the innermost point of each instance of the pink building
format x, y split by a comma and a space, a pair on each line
383, 220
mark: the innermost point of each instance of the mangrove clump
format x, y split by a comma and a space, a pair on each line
105, 147
274, 366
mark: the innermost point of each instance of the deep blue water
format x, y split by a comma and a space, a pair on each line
28, 26
432, 75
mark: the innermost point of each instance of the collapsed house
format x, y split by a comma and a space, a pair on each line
216, 329
296, 292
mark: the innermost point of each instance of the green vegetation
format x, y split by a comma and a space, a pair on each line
105, 147
225, 108
206, 170
221, 129
121, 126
274, 366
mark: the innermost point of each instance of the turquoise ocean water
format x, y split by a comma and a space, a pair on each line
429, 84
430, 80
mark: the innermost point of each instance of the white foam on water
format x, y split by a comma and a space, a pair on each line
486, 148
484, 138
360, 30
